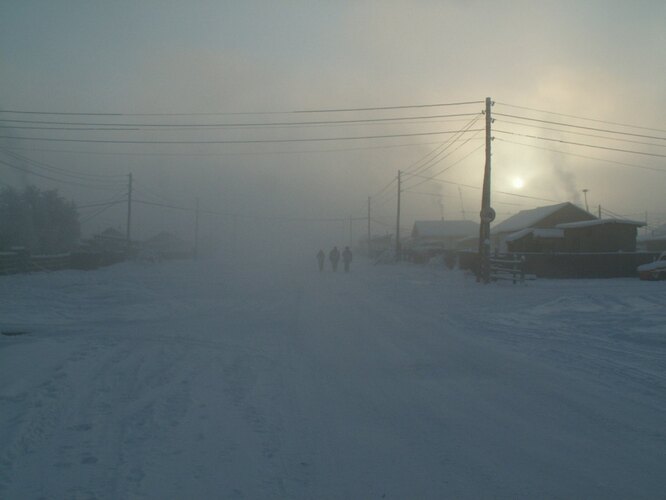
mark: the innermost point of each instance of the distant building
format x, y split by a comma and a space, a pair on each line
547, 217
434, 237
601, 235
446, 233
598, 235
378, 245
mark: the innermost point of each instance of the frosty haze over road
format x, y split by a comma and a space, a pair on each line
201, 379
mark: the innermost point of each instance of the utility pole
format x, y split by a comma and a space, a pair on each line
587, 208
487, 213
196, 231
351, 239
369, 231
600, 211
462, 205
129, 214
397, 224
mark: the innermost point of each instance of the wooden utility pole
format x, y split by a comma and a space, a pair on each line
129, 214
397, 224
487, 213
196, 231
369, 231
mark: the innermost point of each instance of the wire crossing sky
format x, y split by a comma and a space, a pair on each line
302, 110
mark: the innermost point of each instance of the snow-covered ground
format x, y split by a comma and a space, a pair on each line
200, 380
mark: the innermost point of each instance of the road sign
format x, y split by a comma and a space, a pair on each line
488, 215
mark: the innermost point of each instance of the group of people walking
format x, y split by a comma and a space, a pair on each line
334, 257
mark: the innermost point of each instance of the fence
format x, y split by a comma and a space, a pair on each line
508, 268
20, 261
49, 262
572, 265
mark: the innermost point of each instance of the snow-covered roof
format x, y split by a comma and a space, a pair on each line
527, 218
444, 228
599, 222
536, 233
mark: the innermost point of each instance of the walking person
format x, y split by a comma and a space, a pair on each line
320, 259
346, 258
334, 257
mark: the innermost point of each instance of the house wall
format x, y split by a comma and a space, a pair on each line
568, 213
601, 238
531, 244
657, 245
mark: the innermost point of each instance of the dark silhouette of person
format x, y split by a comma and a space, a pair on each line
346, 258
320, 259
334, 257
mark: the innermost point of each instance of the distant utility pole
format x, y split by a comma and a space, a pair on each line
487, 213
351, 239
397, 224
196, 231
129, 214
587, 208
462, 205
369, 231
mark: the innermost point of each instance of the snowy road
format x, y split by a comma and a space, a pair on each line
183, 380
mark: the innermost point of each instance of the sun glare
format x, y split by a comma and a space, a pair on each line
518, 182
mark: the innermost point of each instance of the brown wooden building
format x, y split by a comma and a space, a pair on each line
593, 236
547, 217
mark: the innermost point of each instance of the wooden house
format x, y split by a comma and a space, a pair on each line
446, 233
437, 237
600, 235
547, 217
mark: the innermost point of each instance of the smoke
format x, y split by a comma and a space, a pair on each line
566, 183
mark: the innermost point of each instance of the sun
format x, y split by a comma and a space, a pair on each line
518, 182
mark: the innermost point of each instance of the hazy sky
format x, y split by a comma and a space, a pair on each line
604, 60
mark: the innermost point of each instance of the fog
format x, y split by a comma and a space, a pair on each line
264, 131
181, 61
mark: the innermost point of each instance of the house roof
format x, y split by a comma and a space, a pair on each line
536, 233
528, 218
599, 222
444, 228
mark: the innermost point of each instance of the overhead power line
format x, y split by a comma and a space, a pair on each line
447, 167
243, 141
432, 158
582, 127
643, 167
86, 176
580, 144
477, 187
106, 204
580, 117
217, 154
50, 178
230, 113
251, 216
584, 134
230, 125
